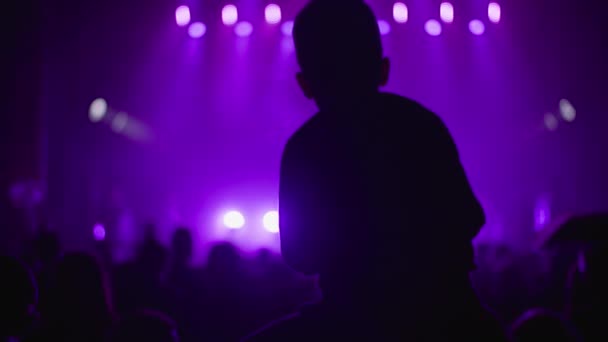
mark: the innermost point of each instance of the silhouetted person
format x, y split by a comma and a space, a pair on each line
181, 250
542, 325
373, 197
149, 326
18, 299
80, 304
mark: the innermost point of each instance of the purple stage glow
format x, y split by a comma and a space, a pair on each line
432, 27
120, 121
234, 220
243, 29
272, 13
567, 110
182, 15
98, 109
384, 27
494, 12
271, 221
287, 28
446, 12
99, 232
230, 15
400, 13
477, 27
550, 122
197, 30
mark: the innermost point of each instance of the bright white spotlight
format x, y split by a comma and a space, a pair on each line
477, 27
287, 28
384, 27
98, 109
432, 27
182, 15
197, 30
567, 110
271, 221
230, 15
551, 122
234, 220
120, 121
494, 12
400, 13
446, 12
243, 29
272, 13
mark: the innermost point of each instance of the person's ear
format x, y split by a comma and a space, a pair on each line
304, 85
385, 68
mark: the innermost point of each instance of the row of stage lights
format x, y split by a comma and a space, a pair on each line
233, 220
273, 16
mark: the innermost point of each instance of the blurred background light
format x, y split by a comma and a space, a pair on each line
230, 15
494, 12
120, 121
567, 110
550, 122
384, 27
400, 13
234, 220
432, 27
271, 221
182, 15
446, 12
98, 109
272, 13
243, 29
197, 30
287, 28
477, 27
99, 232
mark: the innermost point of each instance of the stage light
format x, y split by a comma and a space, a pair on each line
567, 110
272, 13
182, 15
432, 27
271, 221
120, 121
446, 12
550, 122
99, 232
234, 220
230, 15
494, 12
400, 12
384, 27
197, 30
98, 109
243, 29
477, 27
287, 28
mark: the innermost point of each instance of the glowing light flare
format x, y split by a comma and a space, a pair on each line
271, 221
98, 109
234, 220
243, 29
550, 122
272, 13
400, 13
120, 122
287, 28
182, 15
494, 12
230, 15
432, 27
197, 30
477, 27
567, 110
99, 232
384, 27
446, 12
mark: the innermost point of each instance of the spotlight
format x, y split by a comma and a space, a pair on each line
120, 121
243, 29
197, 30
99, 232
567, 110
494, 12
432, 27
287, 28
446, 12
98, 109
400, 12
234, 220
384, 27
230, 15
182, 15
271, 221
477, 27
272, 14
550, 122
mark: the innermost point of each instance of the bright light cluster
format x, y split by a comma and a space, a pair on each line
235, 220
